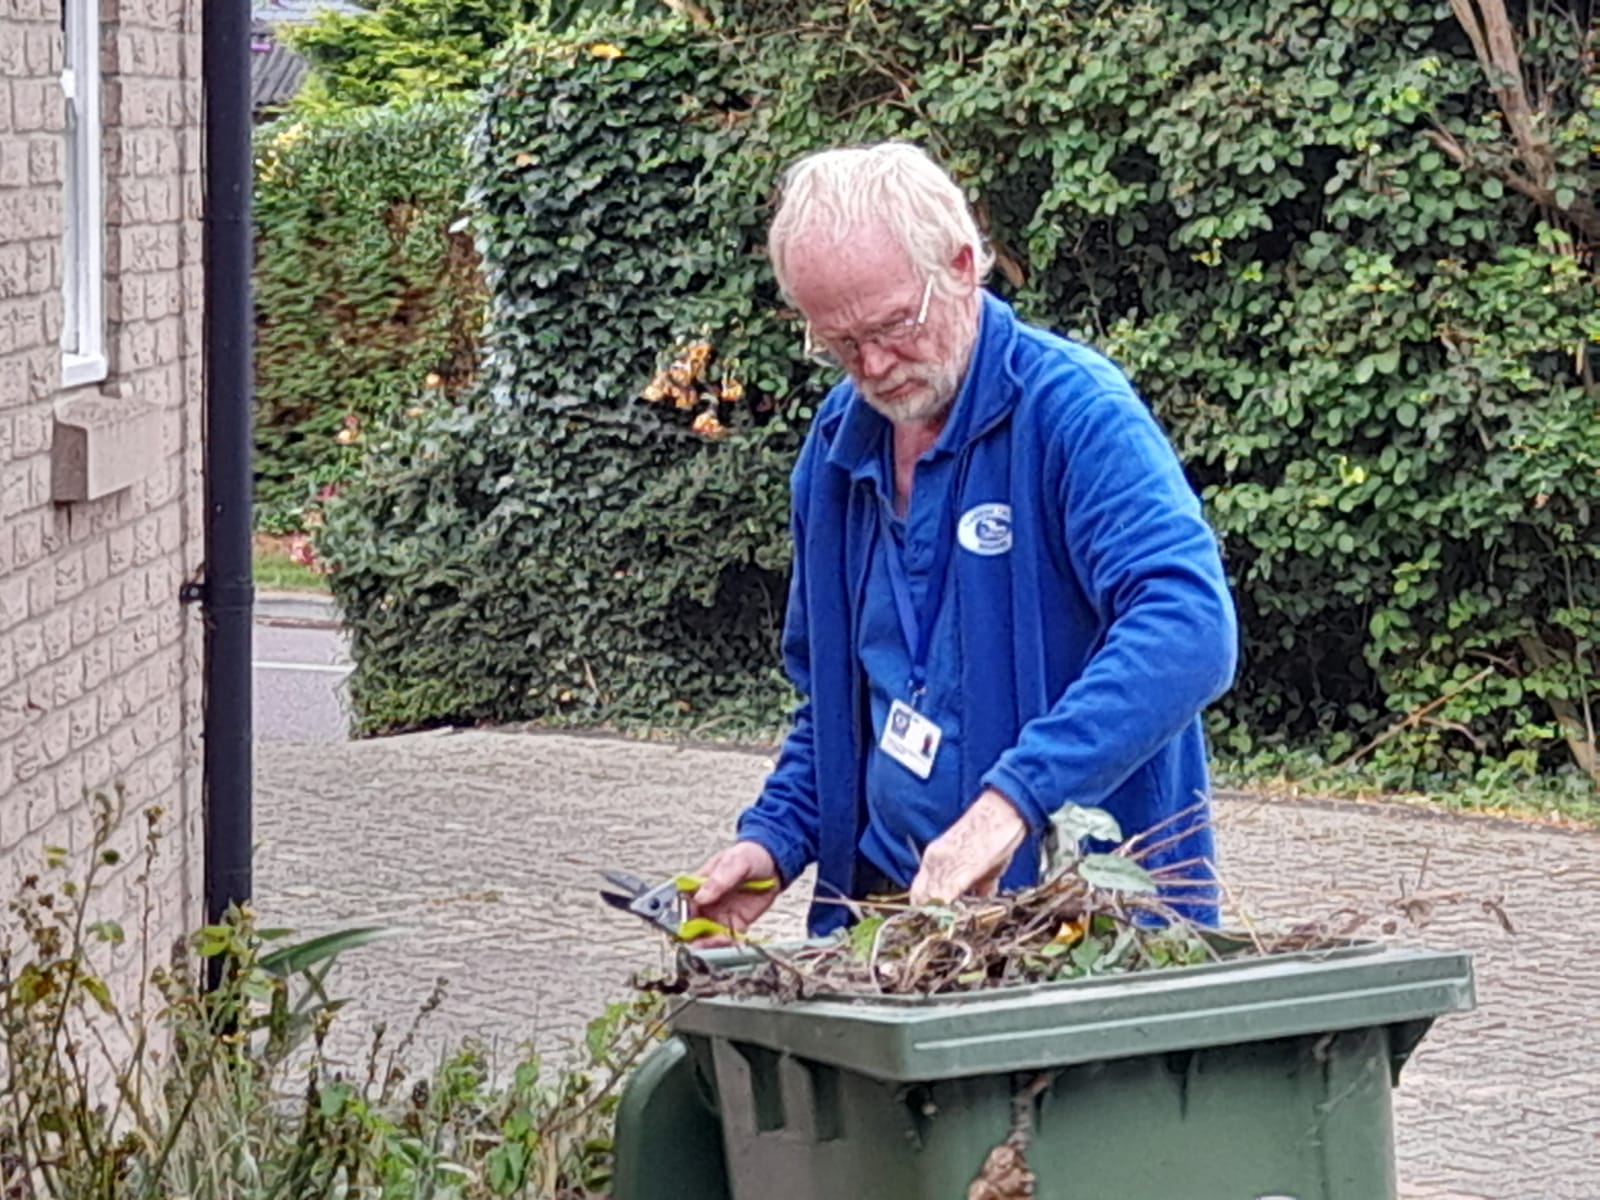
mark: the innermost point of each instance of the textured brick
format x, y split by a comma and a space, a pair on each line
45, 161
15, 387
13, 163
44, 259
41, 589
21, 324
13, 51
38, 482
27, 539
13, 601
28, 751
119, 550
125, 297
65, 569
96, 764
82, 614
69, 784
41, 51
56, 631
94, 563
37, 106
84, 721
70, 574
32, 432
146, 540
37, 800
108, 612
14, 488
13, 270
96, 664
31, 214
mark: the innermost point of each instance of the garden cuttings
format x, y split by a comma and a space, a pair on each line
1094, 914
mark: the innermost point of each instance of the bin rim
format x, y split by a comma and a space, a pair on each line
1037, 1026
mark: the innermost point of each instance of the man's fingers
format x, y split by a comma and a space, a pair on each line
722, 874
989, 885
932, 884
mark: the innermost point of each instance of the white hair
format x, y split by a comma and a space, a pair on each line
832, 193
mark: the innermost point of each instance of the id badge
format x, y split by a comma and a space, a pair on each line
910, 739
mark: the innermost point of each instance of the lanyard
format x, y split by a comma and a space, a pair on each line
918, 626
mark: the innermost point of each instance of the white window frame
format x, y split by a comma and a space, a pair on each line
83, 259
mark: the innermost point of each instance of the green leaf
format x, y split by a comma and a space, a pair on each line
507, 1167
291, 960
1115, 873
1087, 953
862, 934
333, 1100
1073, 824
97, 989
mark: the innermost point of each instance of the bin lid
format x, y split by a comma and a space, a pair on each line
913, 1039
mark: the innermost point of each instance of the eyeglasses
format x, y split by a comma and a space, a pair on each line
837, 352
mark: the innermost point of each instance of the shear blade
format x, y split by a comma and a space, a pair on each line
625, 903
631, 884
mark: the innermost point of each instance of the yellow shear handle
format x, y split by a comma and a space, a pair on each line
699, 927
692, 883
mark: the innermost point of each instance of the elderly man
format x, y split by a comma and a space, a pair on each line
1004, 595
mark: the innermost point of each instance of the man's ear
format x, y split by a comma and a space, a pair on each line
964, 267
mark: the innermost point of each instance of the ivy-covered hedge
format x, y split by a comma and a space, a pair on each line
366, 297
1326, 248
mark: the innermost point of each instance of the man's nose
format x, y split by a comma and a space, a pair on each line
873, 361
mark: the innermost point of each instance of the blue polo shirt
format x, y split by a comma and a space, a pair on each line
905, 813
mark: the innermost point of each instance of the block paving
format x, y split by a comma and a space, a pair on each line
485, 847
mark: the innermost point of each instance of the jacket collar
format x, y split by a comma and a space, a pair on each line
856, 433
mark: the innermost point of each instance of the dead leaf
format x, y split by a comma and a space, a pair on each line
1005, 1176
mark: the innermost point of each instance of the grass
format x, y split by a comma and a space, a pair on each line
1564, 799
275, 571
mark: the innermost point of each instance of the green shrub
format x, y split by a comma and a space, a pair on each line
366, 298
583, 552
1356, 292
165, 1090
398, 51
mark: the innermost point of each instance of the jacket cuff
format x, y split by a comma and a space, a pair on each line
1012, 786
786, 855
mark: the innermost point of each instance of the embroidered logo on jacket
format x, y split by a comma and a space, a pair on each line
986, 529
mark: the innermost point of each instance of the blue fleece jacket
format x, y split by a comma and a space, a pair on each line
1086, 651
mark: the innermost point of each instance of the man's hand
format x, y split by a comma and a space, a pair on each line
973, 853
719, 898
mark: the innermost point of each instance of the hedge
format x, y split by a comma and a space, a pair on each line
1355, 292
366, 298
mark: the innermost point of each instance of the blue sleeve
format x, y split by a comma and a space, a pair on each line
1150, 566
785, 817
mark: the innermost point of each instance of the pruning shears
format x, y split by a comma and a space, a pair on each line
666, 905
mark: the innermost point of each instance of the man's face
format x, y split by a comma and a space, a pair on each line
862, 297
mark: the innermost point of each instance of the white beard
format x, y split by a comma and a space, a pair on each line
936, 389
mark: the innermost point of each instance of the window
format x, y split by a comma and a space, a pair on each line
83, 331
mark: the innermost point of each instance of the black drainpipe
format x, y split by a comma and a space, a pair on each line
228, 593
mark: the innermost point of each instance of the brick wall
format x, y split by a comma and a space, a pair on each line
99, 662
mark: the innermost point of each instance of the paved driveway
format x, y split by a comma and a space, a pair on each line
487, 846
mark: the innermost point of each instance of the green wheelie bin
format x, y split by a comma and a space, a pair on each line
1262, 1078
